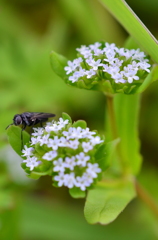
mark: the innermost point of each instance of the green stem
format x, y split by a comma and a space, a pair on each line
111, 113
146, 198
113, 129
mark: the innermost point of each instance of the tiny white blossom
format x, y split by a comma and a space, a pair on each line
111, 46
87, 146
63, 122
63, 142
129, 73
69, 180
98, 52
59, 165
95, 140
94, 64
93, 169
82, 159
73, 144
53, 128
35, 140
86, 133
144, 66
44, 139
70, 162
138, 55
60, 179
95, 46
50, 155
84, 181
77, 61
90, 73
80, 182
27, 151
53, 143
82, 72
38, 131
110, 57
31, 162
75, 77
85, 51
73, 133
70, 68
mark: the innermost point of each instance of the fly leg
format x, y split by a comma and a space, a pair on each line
22, 143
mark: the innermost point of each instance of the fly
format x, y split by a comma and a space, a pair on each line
30, 119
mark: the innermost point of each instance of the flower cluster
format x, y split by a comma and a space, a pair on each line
66, 151
102, 62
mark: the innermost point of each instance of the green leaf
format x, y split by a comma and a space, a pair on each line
80, 123
126, 114
108, 200
133, 25
77, 193
111, 149
34, 176
14, 138
58, 62
105, 153
65, 116
152, 76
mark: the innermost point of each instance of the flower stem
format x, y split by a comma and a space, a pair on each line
113, 130
146, 198
111, 113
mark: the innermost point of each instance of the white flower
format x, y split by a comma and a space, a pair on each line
93, 169
70, 162
27, 151
60, 179
82, 159
86, 133
72, 65
35, 140
73, 133
67, 149
111, 46
95, 140
74, 78
90, 73
83, 181
87, 146
63, 122
53, 143
109, 59
50, 155
73, 144
95, 46
38, 131
59, 165
44, 139
85, 51
63, 142
31, 162
82, 72
130, 74
110, 56
144, 65
94, 64
69, 180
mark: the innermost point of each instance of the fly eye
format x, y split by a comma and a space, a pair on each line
17, 120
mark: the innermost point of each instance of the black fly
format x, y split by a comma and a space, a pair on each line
30, 119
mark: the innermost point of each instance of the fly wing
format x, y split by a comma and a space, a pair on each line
40, 116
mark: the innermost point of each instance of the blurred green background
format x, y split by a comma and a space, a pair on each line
29, 30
